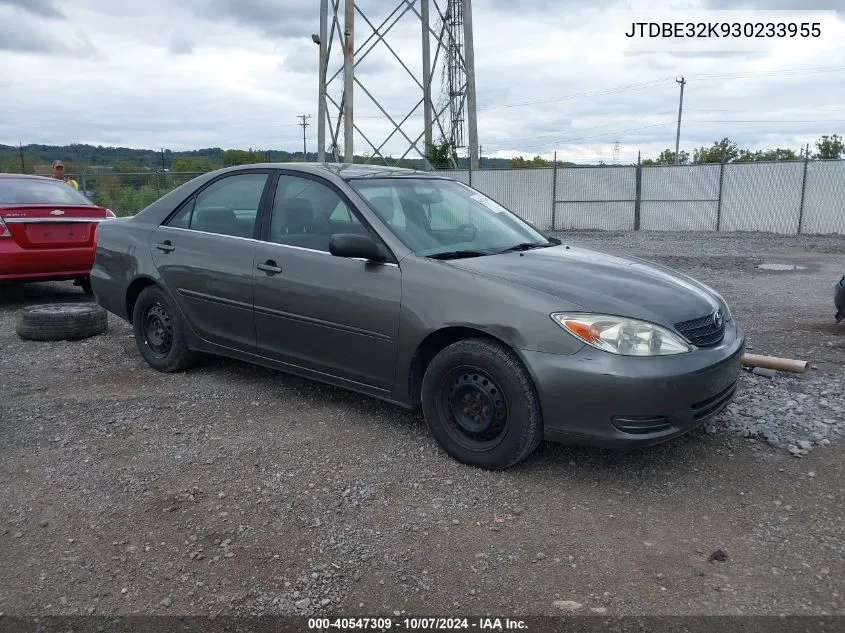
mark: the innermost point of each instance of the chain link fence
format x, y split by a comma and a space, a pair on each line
786, 198
127, 193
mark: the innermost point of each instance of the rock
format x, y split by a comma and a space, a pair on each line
811, 474
166, 602
764, 371
18, 534
325, 602
44, 523
825, 442
804, 445
303, 604
540, 556
569, 606
599, 610
718, 555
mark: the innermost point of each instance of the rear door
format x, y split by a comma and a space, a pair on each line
205, 255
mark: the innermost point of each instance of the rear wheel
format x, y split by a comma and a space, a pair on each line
159, 332
480, 404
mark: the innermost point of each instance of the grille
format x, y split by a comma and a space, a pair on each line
702, 331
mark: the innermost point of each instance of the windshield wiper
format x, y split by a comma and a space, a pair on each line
456, 254
525, 246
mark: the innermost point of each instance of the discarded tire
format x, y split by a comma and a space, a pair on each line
61, 321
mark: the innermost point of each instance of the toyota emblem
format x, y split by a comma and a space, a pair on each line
718, 319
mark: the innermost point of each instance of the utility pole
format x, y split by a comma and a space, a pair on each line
322, 41
469, 58
20, 149
304, 125
682, 82
348, 82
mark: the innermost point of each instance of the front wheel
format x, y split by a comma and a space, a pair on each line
480, 404
159, 332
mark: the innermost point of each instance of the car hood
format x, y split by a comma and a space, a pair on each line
601, 282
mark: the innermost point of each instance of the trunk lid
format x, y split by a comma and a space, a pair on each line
52, 225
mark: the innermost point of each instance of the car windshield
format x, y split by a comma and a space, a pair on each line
39, 191
444, 218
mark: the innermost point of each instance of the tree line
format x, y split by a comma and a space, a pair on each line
827, 147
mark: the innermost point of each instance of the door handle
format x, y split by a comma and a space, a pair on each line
269, 267
165, 246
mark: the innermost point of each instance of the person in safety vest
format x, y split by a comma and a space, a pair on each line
59, 174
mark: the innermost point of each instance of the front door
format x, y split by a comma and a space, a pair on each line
205, 255
326, 314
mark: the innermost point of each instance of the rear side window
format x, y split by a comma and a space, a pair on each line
228, 206
39, 191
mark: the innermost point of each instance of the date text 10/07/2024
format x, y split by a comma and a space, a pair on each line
724, 29
417, 624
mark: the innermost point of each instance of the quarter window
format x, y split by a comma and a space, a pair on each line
229, 206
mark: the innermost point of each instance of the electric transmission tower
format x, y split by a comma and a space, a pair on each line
616, 153
446, 51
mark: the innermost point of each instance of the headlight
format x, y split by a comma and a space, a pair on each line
620, 335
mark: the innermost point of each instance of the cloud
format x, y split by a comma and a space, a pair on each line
237, 73
45, 8
24, 34
180, 46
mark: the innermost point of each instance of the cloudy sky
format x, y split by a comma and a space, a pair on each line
552, 75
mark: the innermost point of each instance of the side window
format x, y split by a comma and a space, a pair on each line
306, 213
227, 207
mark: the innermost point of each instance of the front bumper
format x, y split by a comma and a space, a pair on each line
599, 399
839, 300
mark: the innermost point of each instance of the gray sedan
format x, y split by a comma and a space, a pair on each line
419, 290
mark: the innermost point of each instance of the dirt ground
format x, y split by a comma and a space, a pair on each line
231, 489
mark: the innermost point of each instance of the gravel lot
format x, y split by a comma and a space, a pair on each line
230, 489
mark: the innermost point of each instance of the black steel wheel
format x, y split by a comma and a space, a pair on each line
480, 404
474, 408
159, 332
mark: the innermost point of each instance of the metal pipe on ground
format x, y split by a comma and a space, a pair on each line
776, 363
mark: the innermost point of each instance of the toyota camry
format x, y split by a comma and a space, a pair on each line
417, 289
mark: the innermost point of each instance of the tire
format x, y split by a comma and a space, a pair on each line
61, 321
500, 423
159, 332
85, 284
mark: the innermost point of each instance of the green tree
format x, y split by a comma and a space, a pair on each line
769, 155
667, 157
441, 155
721, 151
193, 164
829, 147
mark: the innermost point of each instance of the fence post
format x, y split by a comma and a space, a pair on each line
719, 203
638, 192
469, 166
803, 192
554, 190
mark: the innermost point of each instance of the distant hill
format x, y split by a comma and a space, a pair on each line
98, 158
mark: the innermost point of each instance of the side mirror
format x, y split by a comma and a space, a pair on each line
554, 240
356, 246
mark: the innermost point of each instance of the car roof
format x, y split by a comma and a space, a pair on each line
31, 176
343, 170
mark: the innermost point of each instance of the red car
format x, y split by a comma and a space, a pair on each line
47, 230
